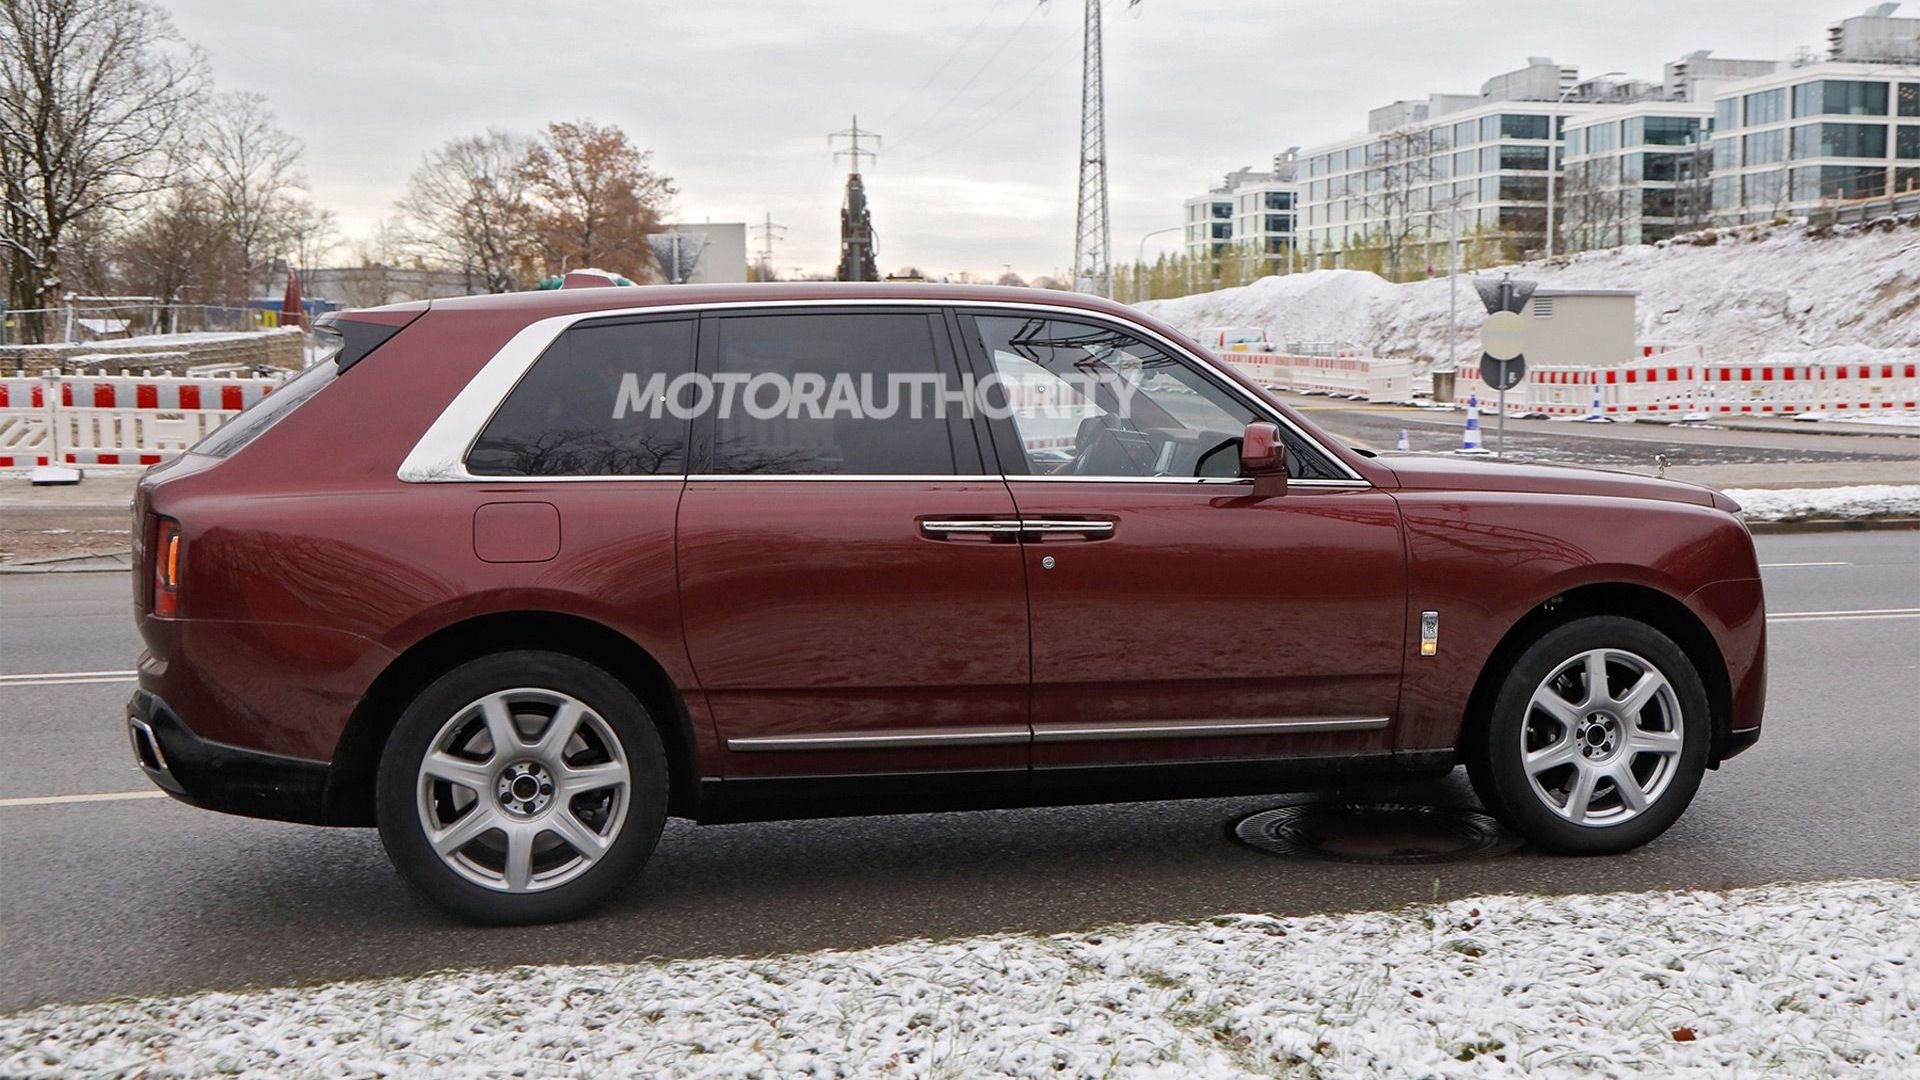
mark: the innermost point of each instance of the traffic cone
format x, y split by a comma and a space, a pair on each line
1403, 444
1470, 441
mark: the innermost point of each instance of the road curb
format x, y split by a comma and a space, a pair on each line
1826, 525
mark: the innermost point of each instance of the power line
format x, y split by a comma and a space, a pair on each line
1032, 89
1044, 63
971, 79
944, 64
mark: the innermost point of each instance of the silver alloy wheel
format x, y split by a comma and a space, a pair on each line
523, 790
1602, 737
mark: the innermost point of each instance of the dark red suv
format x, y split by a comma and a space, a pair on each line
515, 577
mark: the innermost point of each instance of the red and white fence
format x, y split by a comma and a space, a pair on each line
1660, 386
1343, 374
120, 419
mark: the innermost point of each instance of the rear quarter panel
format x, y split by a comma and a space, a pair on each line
310, 566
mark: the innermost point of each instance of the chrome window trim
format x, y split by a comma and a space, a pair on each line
995, 478
439, 455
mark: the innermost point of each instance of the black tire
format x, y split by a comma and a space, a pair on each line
1496, 752
405, 798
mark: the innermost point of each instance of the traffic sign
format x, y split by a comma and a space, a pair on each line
1502, 373
1504, 336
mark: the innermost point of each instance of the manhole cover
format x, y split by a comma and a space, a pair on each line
1381, 834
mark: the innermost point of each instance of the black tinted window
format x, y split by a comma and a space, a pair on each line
831, 394
590, 406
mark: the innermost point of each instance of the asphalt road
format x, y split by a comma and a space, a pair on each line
1606, 445
134, 896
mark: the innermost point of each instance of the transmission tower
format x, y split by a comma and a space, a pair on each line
856, 222
1093, 234
853, 135
769, 234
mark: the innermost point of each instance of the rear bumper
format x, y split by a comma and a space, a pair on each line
215, 776
1738, 741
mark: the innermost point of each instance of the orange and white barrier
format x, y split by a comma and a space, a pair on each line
1344, 374
120, 419
1656, 387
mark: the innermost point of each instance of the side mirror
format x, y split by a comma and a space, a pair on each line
1264, 458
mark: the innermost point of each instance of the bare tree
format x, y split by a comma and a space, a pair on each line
92, 92
1593, 204
178, 245
310, 234
469, 206
597, 198
251, 169
1398, 170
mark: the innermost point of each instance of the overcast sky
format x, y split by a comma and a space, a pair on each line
978, 100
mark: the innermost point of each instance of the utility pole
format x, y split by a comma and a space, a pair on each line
769, 235
1093, 231
853, 136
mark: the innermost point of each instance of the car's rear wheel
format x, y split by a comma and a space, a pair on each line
1597, 740
522, 787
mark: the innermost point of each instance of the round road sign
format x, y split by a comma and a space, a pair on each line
1504, 336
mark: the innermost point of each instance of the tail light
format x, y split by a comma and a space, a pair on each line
166, 569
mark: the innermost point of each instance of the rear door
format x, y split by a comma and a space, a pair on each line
855, 598
1174, 617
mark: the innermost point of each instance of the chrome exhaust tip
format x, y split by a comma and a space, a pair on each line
152, 759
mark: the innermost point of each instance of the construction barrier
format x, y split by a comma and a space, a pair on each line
1660, 386
123, 419
1344, 375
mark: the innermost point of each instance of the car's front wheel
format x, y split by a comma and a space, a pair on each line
522, 787
1597, 740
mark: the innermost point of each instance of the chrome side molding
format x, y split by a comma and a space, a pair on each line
886, 740
1055, 732
1201, 729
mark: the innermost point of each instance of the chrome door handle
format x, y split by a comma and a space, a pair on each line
1088, 528
969, 526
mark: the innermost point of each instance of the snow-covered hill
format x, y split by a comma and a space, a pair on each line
1780, 292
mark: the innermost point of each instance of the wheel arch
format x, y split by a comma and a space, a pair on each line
1640, 602
356, 757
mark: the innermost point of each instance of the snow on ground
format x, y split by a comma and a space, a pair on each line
1782, 293
1854, 501
1892, 418
1812, 980
148, 342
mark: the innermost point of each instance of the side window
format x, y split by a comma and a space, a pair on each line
845, 394
585, 408
1093, 400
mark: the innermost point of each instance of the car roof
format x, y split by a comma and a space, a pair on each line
571, 301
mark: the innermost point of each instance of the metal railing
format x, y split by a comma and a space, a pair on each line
90, 321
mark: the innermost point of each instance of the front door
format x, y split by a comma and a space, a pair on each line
1174, 617
855, 600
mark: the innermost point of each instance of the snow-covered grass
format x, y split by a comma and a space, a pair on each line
1780, 295
1811, 980
1890, 418
1854, 501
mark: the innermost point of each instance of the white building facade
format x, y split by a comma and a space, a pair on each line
1814, 135
1636, 174
1251, 211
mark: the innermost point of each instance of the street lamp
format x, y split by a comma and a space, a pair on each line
1553, 149
1140, 260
